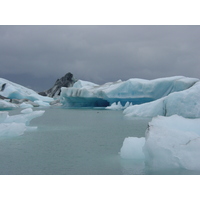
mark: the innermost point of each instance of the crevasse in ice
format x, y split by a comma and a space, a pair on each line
135, 91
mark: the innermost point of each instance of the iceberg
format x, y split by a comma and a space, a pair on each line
135, 91
17, 124
185, 103
170, 142
15, 91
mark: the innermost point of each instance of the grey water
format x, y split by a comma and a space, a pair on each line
75, 142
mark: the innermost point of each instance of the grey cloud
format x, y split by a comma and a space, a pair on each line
99, 53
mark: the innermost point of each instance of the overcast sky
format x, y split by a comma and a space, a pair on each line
35, 56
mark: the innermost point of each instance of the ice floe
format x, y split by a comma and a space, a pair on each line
16, 125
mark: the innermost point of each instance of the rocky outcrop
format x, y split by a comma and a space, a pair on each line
66, 81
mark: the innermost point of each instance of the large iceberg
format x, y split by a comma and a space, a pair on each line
184, 103
170, 142
16, 125
15, 91
135, 91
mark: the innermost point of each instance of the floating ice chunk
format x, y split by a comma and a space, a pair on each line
12, 129
7, 105
17, 124
173, 142
132, 148
115, 106
170, 142
27, 110
185, 103
42, 103
118, 106
26, 105
24, 118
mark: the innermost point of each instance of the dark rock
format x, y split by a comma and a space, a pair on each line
66, 81
3, 87
42, 94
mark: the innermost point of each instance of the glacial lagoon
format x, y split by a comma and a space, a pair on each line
75, 142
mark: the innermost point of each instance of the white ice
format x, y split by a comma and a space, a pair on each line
170, 142
26, 105
118, 106
132, 148
16, 91
137, 91
173, 142
6, 105
17, 124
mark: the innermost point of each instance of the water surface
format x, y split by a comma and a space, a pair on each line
76, 142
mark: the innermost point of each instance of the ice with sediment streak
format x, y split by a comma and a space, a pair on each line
15, 91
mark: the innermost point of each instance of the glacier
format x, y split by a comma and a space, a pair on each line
170, 142
16, 125
135, 91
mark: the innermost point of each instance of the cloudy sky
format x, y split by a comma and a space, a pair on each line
35, 56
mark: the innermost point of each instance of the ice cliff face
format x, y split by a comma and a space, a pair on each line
135, 91
66, 81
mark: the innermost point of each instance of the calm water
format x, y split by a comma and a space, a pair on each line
74, 142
